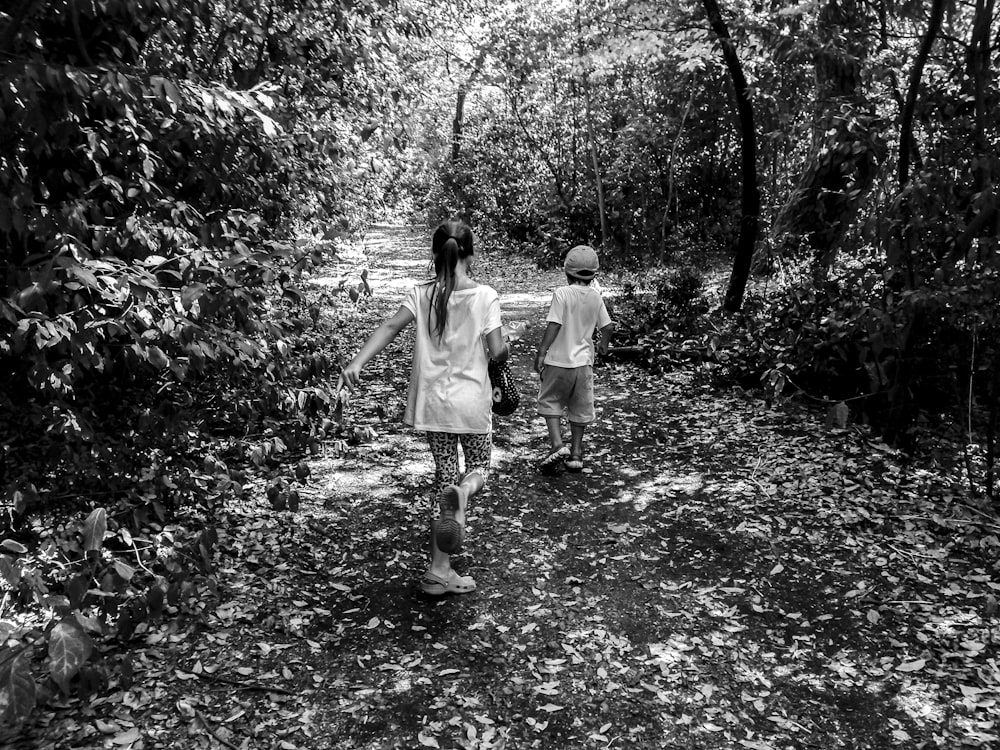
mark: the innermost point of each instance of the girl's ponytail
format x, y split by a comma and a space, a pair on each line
452, 242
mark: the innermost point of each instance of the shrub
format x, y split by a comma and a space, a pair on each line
658, 311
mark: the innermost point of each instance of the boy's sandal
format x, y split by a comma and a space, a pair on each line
449, 533
552, 461
435, 585
574, 463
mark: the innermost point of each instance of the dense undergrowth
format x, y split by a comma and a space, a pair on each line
913, 366
155, 346
116, 528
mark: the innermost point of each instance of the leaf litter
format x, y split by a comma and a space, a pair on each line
728, 574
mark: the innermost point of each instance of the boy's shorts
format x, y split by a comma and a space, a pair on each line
569, 388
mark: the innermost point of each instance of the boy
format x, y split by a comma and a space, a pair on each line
565, 358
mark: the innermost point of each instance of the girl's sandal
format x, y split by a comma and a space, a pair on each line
449, 533
574, 463
435, 585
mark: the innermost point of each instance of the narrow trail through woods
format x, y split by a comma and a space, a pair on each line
723, 574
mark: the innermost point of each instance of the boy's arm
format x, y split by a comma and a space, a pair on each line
551, 331
605, 343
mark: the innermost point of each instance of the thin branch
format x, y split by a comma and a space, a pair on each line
246, 685
538, 147
476, 69
212, 730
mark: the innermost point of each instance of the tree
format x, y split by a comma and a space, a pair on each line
839, 168
904, 256
750, 209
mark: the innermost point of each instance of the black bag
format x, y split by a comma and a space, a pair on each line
505, 396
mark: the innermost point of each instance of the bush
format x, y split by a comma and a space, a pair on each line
658, 311
153, 338
899, 357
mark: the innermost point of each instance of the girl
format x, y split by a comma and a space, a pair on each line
449, 396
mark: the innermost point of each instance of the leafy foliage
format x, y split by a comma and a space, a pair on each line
534, 81
659, 312
154, 338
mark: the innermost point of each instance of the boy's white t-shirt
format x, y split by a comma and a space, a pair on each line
449, 385
580, 310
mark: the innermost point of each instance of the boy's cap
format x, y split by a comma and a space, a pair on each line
581, 262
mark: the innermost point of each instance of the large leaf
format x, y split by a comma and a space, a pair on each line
94, 529
17, 688
69, 649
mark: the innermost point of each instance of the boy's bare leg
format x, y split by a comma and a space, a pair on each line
576, 439
554, 427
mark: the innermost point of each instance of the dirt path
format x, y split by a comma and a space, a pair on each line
722, 575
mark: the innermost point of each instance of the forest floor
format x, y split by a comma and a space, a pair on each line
725, 573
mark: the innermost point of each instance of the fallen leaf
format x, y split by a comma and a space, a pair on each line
426, 740
127, 738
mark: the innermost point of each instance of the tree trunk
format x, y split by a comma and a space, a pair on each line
902, 410
750, 210
541, 151
595, 159
456, 126
912, 88
902, 258
840, 168
666, 224
979, 77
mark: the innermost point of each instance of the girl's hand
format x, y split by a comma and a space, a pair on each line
350, 376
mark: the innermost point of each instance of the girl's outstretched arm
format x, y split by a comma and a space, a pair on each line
379, 340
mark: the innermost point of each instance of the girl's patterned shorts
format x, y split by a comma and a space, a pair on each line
444, 448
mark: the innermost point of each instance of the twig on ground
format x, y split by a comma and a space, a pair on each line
912, 553
981, 513
247, 685
212, 731
942, 520
753, 476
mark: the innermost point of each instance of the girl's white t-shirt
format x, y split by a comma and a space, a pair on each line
579, 309
449, 385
